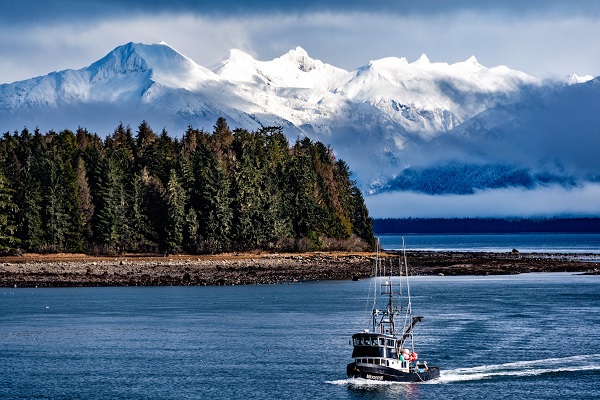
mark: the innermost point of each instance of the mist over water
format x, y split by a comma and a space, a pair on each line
509, 202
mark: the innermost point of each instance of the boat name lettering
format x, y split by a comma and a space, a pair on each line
375, 377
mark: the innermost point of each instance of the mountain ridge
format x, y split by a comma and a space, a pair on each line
385, 119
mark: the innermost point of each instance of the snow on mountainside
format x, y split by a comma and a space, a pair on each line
292, 70
430, 98
128, 72
387, 119
574, 78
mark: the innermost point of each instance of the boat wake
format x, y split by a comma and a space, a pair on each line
589, 362
360, 382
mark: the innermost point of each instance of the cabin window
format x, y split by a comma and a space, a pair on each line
381, 342
367, 341
390, 343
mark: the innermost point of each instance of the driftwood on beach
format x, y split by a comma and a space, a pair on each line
62, 270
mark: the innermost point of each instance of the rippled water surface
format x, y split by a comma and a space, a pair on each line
524, 336
524, 242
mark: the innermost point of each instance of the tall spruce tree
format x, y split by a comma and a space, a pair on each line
210, 200
309, 214
8, 209
175, 201
248, 192
84, 199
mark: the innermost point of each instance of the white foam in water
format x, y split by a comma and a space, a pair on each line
588, 362
360, 382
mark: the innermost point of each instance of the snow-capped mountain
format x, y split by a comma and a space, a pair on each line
387, 119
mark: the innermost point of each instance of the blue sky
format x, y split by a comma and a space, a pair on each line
540, 37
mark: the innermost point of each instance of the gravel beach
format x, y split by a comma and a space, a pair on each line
70, 270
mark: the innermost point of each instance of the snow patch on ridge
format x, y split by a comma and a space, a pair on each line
294, 69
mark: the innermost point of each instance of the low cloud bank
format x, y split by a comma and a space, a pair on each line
545, 201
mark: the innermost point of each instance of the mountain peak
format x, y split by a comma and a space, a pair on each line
239, 54
574, 79
473, 60
301, 59
423, 59
120, 60
238, 67
160, 62
298, 52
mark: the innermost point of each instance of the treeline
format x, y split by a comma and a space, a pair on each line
486, 225
204, 193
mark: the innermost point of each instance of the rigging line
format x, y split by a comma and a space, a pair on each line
400, 284
376, 273
373, 289
409, 306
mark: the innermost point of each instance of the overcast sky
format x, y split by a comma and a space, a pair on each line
540, 37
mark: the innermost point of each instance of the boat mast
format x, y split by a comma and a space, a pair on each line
410, 321
383, 319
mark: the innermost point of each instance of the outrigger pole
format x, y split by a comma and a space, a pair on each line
408, 331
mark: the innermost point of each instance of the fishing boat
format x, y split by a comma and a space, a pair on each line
386, 352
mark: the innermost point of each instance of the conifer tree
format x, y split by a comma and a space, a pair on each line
26, 185
210, 199
175, 200
8, 209
67, 150
249, 203
275, 170
84, 196
309, 214
143, 145
153, 209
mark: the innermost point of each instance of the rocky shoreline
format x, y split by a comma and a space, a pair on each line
71, 270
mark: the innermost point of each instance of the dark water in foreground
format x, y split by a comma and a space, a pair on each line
527, 336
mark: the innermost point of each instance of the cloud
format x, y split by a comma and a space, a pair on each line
68, 10
39, 37
543, 201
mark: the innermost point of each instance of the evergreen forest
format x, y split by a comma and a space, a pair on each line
207, 192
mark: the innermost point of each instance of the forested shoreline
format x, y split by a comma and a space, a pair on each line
227, 190
487, 225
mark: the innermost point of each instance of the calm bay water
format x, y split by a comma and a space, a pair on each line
524, 336
524, 242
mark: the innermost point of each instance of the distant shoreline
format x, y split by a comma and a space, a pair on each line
434, 226
78, 270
